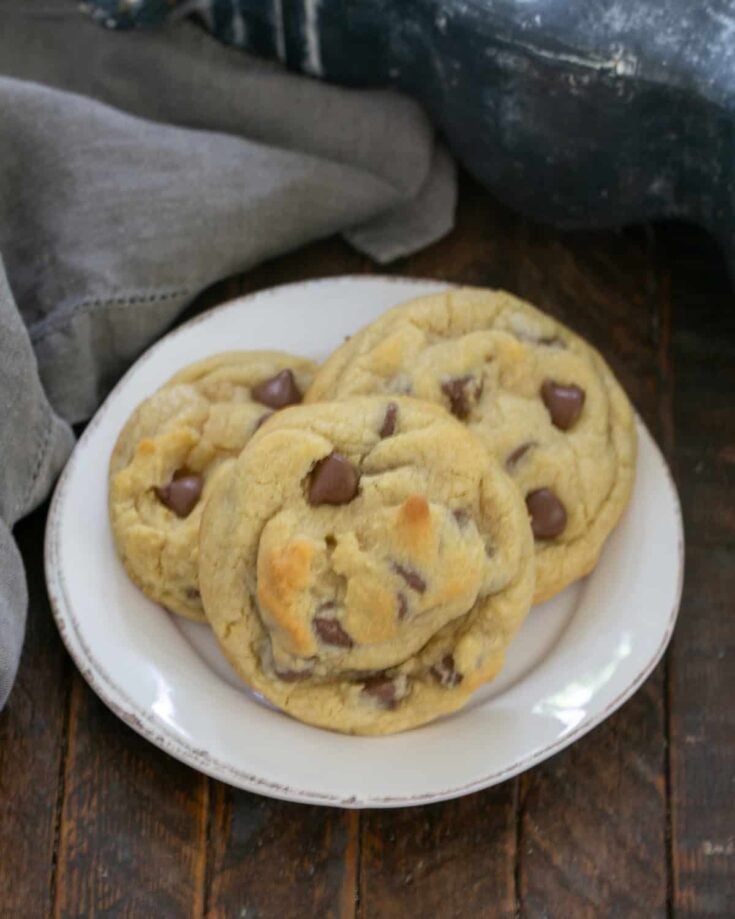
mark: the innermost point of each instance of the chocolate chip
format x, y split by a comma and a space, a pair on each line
181, 494
292, 676
334, 480
548, 516
389, 422
193, 594
414, 580
443, 672
331, 632
382, 689
512, 459
278, 391
462, 518
261, 420
461, 394
402, 606
359, 676
564, 403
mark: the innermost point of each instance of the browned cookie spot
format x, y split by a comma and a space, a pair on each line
277, 391
548, 515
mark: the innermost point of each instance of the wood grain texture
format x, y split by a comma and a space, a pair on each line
94, 821
133, 824
457, 858
270, 858
32, 746
702, 684
592, 839
454, 859
592, 835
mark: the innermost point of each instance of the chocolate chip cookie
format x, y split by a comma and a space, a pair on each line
171, 449
365, 564
542, 400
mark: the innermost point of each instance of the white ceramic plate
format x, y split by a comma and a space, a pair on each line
576, 660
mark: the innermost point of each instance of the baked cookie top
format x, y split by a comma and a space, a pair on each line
168, 453
542, 400
365, 564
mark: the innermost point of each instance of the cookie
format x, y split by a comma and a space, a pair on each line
542, 400
167, 455
364, 564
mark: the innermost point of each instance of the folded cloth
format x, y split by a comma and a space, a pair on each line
580, 114
135, 170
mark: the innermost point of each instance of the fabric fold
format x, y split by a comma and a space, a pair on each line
34, 444
137, 169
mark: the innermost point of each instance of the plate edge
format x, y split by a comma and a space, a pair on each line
141, 722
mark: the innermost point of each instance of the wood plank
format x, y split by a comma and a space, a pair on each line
448, 860
31, 746
703, 737
592, 837
482, 249
455, 858
592, 840
271, 858
702, 687
133, 823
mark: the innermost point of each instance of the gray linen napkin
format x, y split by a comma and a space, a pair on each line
135, 170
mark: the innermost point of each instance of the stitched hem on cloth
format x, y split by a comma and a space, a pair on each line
57, 324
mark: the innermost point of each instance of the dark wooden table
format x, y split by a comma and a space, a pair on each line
637, 819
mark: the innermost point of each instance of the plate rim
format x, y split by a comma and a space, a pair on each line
157, 733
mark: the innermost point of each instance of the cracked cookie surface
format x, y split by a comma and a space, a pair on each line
170, 451
364, 564
542, 400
